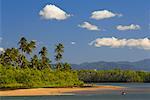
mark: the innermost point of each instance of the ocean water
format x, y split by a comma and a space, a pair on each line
135, 91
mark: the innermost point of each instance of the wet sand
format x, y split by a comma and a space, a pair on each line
55, 91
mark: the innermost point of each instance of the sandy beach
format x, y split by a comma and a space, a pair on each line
54, 91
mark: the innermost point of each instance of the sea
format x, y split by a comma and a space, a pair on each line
133, 91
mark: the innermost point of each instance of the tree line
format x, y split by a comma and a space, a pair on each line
116, 75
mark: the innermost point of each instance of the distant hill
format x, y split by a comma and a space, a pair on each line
124, 65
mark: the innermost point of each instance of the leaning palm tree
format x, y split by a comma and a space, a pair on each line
59, 50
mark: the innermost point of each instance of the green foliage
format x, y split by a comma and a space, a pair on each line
113, 76
18, 71
11, 77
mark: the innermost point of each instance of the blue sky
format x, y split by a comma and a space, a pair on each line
21, 18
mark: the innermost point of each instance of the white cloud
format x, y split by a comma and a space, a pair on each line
73, 43
1, 49
103, 14
117, 43
89, 26
53, 12
128, 27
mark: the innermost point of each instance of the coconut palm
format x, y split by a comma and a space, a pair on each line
59, 50
45, 61
23, 44
43, 52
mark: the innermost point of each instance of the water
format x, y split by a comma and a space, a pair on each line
84, 97
128, 85
135, 91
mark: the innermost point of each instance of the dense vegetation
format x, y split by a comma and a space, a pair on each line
28, 77
93, 76
22, 68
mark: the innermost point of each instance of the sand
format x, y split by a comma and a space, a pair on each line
54, 91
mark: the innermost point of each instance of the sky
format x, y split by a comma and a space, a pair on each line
91, 30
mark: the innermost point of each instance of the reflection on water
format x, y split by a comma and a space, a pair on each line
135, 91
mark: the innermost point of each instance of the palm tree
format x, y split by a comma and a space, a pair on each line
25, 47
59, 50
30, 46
45, 62
43, 52
23, 44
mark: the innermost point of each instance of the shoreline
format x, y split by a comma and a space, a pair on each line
55, 91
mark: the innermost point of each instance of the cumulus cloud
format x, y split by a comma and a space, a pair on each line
103, 14
128, 27
53, 12
117, 43
89, 26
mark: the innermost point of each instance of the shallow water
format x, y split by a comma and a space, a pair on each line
135, 91
128, 85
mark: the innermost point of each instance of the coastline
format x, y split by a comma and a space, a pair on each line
55, 91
